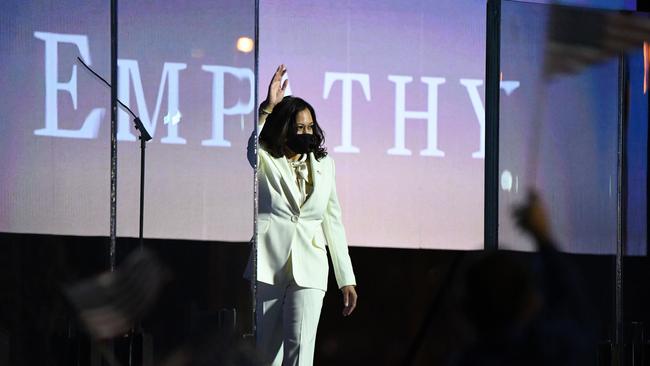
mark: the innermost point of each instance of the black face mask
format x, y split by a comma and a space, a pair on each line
301, 144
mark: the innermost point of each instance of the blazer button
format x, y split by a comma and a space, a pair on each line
294, 218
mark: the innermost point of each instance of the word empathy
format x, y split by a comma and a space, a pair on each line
129, 77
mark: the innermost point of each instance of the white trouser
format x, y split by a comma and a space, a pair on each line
287, 319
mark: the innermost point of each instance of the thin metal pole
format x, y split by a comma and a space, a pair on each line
113, 208
255, 175
492, 80
621, 198
108, 351
143, 145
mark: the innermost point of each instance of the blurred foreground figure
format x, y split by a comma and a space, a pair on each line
111, 304
522, 316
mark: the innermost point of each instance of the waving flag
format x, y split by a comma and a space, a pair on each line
112, 302
578, 38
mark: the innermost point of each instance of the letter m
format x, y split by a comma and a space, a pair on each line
128, 70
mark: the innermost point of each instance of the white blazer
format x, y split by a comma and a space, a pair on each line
304, 232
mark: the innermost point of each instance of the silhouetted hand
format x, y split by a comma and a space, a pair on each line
531, 218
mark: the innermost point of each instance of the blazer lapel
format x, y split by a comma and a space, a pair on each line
288, 184
315, 176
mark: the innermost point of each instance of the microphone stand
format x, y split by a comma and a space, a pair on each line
144, 137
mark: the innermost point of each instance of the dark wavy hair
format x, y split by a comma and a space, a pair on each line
281, 124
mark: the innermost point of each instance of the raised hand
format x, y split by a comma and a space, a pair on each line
276, 87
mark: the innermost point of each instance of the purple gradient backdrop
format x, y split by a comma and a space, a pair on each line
61, 186
390, 201
561, 138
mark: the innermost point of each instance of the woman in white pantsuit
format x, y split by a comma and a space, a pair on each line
299, 216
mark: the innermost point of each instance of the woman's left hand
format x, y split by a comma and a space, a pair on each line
349, 299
